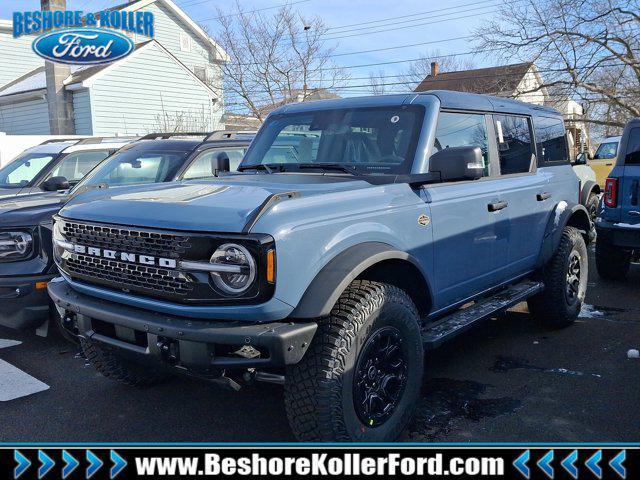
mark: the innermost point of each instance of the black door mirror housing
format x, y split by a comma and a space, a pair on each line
581, 159
54, 184
220, 163
458, 163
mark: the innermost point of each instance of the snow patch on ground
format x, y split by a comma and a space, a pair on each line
589, 311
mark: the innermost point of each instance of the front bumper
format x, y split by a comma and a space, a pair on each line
201, 347
620, 236
24, 303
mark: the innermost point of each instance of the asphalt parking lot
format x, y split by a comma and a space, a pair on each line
509, 380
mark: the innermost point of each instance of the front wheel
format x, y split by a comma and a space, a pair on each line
565, 278
361, 377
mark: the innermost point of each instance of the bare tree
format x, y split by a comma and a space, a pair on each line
273, 59
587, 50
378, 83
419, 69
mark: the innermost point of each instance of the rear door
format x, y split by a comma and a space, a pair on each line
526, 191
630, 186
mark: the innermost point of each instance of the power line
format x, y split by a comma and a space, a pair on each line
410, 15
444, 40
250, 11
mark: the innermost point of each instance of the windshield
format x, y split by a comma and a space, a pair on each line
606, 151
136, 166
75, 166
368, 140
21, 171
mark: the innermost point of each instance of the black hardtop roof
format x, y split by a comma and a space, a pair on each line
185, 144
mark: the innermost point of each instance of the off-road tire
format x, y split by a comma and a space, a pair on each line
319, 391
612, 262
592, 206
553, 307
113, 366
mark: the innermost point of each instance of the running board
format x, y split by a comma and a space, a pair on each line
461, 320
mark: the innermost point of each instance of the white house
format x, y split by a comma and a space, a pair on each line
169, 82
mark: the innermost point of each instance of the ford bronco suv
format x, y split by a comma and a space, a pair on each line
328, 264
26, 264
618, 222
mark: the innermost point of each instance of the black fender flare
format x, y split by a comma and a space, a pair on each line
587, 188
563, 214
325, 289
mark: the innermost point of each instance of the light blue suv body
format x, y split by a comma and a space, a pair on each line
396, 206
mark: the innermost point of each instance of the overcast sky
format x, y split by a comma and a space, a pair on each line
425, 21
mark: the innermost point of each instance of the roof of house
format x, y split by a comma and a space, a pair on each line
299, 95
199, 31
492, 80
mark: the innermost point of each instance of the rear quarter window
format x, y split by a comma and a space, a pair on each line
551, 140
632, 155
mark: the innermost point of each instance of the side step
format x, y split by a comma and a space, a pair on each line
461, 320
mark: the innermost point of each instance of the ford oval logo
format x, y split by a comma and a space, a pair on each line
83, 46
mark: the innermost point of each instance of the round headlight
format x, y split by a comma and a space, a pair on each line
237, 268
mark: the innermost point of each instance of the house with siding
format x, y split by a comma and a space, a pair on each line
170, 82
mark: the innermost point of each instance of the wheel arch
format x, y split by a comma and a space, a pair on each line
588, 188
564, 215
367, 261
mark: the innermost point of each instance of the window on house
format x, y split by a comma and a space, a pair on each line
201, 73
185, 42
201, 166
463, 130
76, 165
551, 139
513, 136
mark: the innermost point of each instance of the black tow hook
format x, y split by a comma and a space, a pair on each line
69, 323
168, 350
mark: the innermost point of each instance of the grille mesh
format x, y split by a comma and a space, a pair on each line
128, 275
125, 239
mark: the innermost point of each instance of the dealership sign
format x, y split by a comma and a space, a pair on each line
71, 38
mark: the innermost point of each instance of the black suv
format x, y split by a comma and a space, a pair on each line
26, 264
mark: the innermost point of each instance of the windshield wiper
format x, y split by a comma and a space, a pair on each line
329, 166
259, 166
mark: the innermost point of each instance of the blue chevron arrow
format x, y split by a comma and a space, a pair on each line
46, 464
545, 464
95, 464
70, 464
521, 464
616, 464
119, 464
23, 464
569, 464
592, 463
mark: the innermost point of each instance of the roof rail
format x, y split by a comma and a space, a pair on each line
228, 134
61, 140
164, 136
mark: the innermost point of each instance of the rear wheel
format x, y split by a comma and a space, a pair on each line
361, 377
612, 262
592, 206
565, 278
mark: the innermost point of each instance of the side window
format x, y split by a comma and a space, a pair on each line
201, 166
463, 130
551, 139
515, 150
76, 165
632, 156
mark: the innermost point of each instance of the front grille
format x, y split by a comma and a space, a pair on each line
129, 276
142, 242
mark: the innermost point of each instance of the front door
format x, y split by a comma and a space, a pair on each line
470, 228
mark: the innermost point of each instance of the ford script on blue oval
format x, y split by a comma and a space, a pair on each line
83, 46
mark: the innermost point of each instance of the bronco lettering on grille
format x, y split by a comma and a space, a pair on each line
125, 256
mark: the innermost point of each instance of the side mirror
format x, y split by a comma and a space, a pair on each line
581, 159
458, 163
220, 163
54, 184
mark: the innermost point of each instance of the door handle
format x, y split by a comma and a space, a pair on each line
634, 213
541, 197
494, 207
